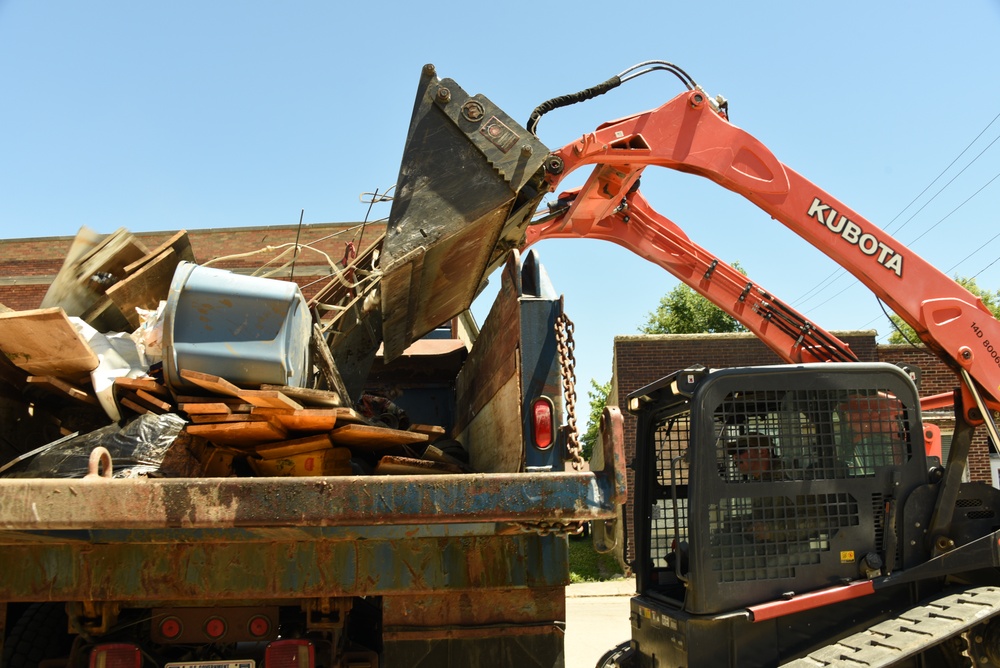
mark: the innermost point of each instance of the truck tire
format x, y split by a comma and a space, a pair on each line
38, 634
617, 657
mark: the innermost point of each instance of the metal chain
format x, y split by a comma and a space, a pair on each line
567, 363
551, 528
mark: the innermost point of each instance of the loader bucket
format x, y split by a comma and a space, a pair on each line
468, 185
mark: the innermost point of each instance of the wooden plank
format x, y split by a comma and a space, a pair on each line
219, 385
235, 403
104, 316
307, 419
179, 244
74, 289
206, 408
308, 396
240, 434
62, 388
297, 446
64, 291
323, 359
208, 418
44, 342
153, 402
391, 465
374, 438
133, 405
148, 384
145, 288
435, 454
432, 431
268, 399
211, 383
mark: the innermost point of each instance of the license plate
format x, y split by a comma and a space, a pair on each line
213, 664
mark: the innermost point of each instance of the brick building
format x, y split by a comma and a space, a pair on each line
27, 266
643, 359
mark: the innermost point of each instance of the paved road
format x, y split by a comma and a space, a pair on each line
597, 619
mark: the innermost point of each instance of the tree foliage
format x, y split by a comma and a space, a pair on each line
903, 333
598, 395
684, 311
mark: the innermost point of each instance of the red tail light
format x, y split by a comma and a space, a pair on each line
116, 655
542, 421
290, 654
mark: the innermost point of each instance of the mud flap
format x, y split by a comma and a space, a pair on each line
467, 187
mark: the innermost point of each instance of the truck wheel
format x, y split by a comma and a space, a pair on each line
619, 657
38, 634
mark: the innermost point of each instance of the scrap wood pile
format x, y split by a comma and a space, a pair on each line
87, 369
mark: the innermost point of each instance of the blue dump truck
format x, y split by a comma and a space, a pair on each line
464, 568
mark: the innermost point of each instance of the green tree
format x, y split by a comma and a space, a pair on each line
598, 395
684, 311
903, 333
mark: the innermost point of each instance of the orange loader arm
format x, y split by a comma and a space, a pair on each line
690, 133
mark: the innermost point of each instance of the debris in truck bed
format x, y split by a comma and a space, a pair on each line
138, 448
367, 437
97, 352
391, 465
240, 434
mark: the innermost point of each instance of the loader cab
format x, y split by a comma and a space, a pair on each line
759, 483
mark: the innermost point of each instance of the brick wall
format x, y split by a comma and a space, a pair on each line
641, 359
27, 266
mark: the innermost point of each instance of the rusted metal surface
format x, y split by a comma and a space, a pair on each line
197, 569
40, 504
456, 209
475, 607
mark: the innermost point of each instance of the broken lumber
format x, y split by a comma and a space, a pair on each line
44, 342
239, 434
391, 465
367, 437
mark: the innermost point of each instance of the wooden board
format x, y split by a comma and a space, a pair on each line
239, 434
268, 399
230, 417
432, 431
62, 388
374, 438
73, 288
145, 288
133, 406
219, 385
410, 466
306, 419
147, 384
297, 446
211, 383
206, 408
179, 244
44, 342
307, 396
153, 401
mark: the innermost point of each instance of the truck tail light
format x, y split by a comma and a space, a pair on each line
115, 655
289, 654
543, 423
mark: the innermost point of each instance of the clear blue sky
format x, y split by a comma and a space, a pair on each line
187, 115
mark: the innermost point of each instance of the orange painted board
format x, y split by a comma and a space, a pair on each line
374, 438
239, 434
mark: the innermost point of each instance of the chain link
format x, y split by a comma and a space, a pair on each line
567, 363
551, 528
